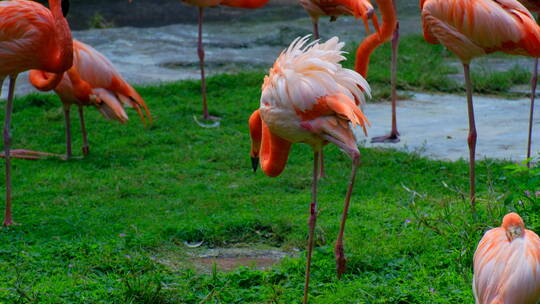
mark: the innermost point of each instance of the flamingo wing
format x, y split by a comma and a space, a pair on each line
22, 28
471, 28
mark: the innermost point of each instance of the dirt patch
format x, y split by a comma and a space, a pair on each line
229, 259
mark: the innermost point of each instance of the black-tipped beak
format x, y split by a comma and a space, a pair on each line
254, 163
369, 13
65, 7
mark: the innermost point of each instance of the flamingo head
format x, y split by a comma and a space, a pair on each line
513, 225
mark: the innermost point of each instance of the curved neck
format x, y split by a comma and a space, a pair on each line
274, 152
60, 56
44, 81
366, 48
81, 88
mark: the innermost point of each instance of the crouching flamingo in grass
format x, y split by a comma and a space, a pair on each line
31, 37
335, 8
474, 28
202, 4
92, 81
308, 97
507, 265
533, 6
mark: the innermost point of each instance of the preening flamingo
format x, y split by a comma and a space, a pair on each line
335, 8
99, 84
31, 37
507, 265
473, 28
533, 6
202, 4
388, 30
308, 97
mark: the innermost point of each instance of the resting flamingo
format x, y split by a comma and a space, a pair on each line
309, 98
474, 28
533, 6
202, 4
31, 37
99, 85
335, 8
507, 264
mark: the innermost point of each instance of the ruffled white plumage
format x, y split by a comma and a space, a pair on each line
304, 72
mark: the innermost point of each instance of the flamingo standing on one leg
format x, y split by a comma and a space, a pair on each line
473, 28
533, 6
335, 8
309, 98
202, 4
98, 84
389, 30
31, 37
507, 265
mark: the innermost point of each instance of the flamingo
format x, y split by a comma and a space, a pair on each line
507, 264
388, 30
474, 28
335, 8
308, 97
533, 6
100, 85
202, 4
31, 37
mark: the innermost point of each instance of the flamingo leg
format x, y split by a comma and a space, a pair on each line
472, 135
393, 137
321, 164
312, 222
8, 219
200, 52
316, 30
69, 154
85, 147
534, 82
339, 252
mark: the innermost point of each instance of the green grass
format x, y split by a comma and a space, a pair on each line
110, 228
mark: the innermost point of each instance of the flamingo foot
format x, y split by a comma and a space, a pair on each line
392, 138
341, 261
32, 155
214, 119
9, 222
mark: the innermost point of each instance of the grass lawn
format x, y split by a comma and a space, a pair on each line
110, 228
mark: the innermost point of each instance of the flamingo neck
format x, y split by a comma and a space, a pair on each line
81, 88
366, 48
44, 81
60, 57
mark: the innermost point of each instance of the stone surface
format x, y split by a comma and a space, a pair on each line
436, 126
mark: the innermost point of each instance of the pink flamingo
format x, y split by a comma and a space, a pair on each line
33, 37
99, 84
335, 8
506, 264
474, 28
308, 97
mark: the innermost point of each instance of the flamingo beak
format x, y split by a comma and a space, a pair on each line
254, 163
65, 7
